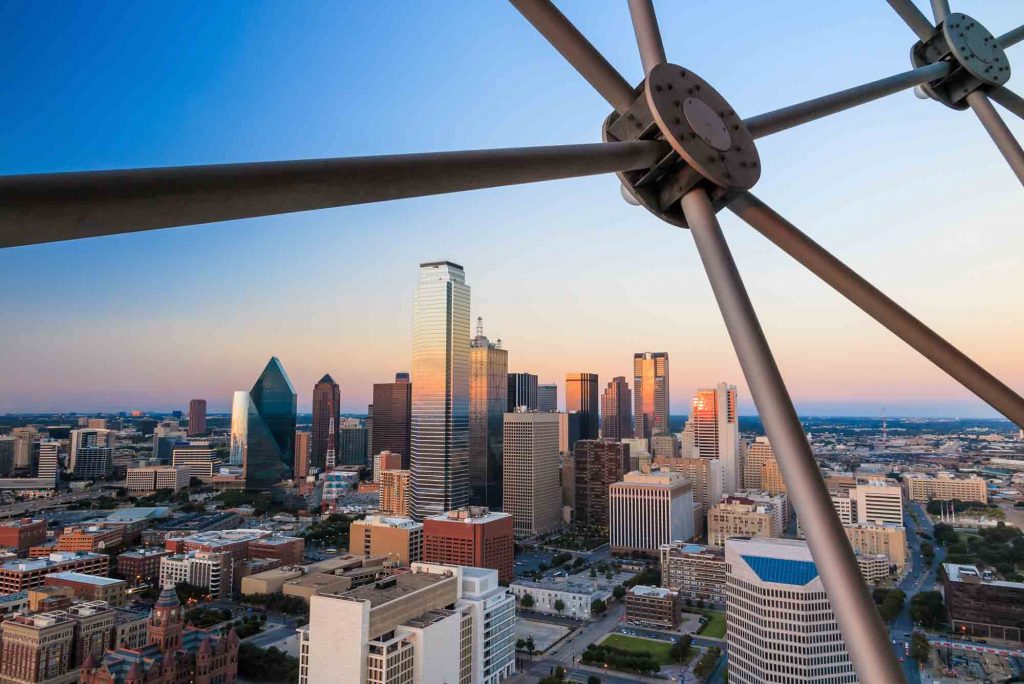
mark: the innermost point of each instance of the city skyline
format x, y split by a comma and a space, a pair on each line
129, 337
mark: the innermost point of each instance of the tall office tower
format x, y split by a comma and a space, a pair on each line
581, 395
352, 446
687, 445
323, 444
616, 410
488, 396
197, 418
532, 493
24, 440
599, 464
49, 459
92, 453
650, 393
665, 446
647, 510
547, 398
165, 436
368, 424
302, 451
570, 424
263, 428
392, 417
706, 476
6, 455
522, 391
757, 455
775, 602
716, 431
440, 395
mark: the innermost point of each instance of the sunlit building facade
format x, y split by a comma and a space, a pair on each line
616, 410
650, 393
263, 428
488, 397
440, 392
716, 431
581, 396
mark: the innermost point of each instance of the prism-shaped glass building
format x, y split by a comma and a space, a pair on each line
263, 428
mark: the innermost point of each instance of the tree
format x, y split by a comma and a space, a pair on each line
598, 607
928, 609
559, 605
527, 601
928, 551
593, 679
191, 593
520, 644
529, 644
681, 649
593, 573
266, 665
891, 603
920, 649
618, 592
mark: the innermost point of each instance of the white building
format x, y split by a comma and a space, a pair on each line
431, 625
780, 625
531, 491
197, 457
201, 568
575, 596
647, 510
152, 478
716, 431
778, 502
49, 459
878, 499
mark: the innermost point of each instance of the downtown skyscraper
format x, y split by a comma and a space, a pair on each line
392, 417
616, 410
650, 393
440, 390
581, 395
488, 396
263, 428
522, 391
716, 431
197, 417
323, 452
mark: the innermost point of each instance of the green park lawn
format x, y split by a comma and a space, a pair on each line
715, 626
658, 650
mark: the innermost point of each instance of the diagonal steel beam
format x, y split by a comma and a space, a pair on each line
578, 51
804, 112
859, 622
1009, 99
998, 131
913, 18
1011, 37
64, 206
940, 10
876, 304
648, 35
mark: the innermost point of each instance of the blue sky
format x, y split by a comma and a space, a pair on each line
910, 193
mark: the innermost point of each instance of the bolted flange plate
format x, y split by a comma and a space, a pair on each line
710, 145
976, 49
702, 128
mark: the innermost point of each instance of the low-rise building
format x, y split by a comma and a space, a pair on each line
149, 479
398, 539
91, 587
873, 567
655, 607
38, 648
22, 534
945, 486
90, 538
883, 539
576, 597
269, 581
695, 571
26, 574
741, 517
981, 606
288, 550
208, 569
141, 566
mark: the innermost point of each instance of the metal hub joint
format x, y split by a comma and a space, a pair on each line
710, 145
977, 57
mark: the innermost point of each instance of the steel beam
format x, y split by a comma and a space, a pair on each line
913, 18
998, 131
578, 51
648, 35
859, 622
1008, 99
940, 10
804, 112
876, 304
1011, 37
64, 206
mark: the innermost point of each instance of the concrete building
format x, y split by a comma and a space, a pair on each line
779, 504
982, 607
26, 574
473, 536
91, 587
430, 625
665, 447
49, 460
38, 649
945, 486
570, 427
716, 431
873, 567
24, 445
269, 581
394, 492
759, 461
741, 517
705, 474
196, 458
386, 460
397, 539
575, 596
92, 453
780, 625
148, 479
878, 499
654, 607
697, 572
598, 465
532, 495
213, 571
883, 539
488, 399
647, 510
650, 393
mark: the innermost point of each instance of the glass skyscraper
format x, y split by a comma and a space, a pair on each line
440, 391
581, 395
263, 428
326, 420
488, 396
650, 393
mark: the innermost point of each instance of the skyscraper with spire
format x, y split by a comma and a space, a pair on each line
326, 419
263, 428
488, 396
650, 393
439, 480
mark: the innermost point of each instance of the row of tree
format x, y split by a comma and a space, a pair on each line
620, 659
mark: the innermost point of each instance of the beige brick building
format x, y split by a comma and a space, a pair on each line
394, 492
397, 539
945, 487
880, 540
740, 517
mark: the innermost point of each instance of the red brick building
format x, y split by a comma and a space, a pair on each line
26, 574
20, 535
288, 550
471, 536
90, 538
141, 566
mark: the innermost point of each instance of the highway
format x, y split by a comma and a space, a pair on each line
35, 505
